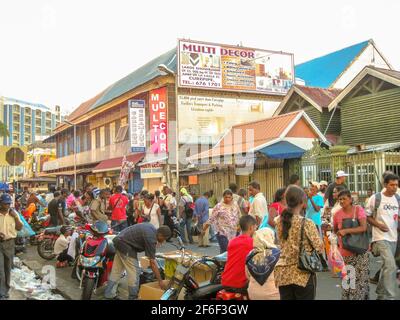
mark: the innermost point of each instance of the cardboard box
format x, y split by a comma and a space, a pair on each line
144, 262
151, 291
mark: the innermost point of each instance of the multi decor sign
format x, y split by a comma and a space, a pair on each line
232, 68
158, 121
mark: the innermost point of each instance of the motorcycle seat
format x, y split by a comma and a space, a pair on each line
221, 257
207, 290
52, 230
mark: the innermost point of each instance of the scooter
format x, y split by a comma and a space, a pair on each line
95, 261
182, 278
45, 242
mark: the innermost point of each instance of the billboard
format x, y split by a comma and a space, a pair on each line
204, 120
158, 121
137, 125
232, 68
151, 171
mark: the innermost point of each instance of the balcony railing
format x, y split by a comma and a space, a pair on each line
91, 156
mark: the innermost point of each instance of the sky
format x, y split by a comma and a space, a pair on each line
65, 52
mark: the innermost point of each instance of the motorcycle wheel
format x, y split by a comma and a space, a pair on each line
88, 287
45, 249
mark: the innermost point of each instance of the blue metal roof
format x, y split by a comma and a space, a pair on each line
283, 150
323, 71
140, 76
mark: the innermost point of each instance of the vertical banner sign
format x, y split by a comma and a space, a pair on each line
137, 125
158, 121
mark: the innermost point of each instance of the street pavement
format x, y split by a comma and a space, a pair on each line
328, 287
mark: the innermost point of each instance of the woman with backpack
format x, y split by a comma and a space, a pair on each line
359, 261
186, 208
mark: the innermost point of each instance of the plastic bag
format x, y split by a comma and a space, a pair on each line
335, 259
26, 230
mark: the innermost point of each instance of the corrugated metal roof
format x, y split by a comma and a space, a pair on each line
235, 141
391, 73
322, 97
376, 147
140, 76
323, 71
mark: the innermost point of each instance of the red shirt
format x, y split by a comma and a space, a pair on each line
338, 223
234, 274
119, 206
278, 207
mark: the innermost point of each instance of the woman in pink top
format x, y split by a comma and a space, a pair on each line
360, 262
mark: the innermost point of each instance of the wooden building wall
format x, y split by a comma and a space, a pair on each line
372, 118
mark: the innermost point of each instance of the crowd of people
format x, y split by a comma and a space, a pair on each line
300, 218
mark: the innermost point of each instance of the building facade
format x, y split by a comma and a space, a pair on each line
27, 123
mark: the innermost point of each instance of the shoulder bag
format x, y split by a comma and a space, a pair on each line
310, 262
356, 243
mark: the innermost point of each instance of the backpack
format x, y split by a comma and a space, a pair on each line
378, 200
188, 209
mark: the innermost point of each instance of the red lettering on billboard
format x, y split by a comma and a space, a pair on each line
158, 121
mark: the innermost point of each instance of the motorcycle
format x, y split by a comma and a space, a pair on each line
95, 261
45, 242
38, 224
182, 278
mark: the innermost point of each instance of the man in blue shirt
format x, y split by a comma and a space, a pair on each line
200, 215
315, 204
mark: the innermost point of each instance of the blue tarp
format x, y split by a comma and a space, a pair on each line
283, 150
4, 186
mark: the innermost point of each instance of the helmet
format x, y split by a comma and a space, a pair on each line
99, 227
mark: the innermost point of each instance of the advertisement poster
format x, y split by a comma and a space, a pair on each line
233, 68
158, 121
150, 171
137, 125
204, 120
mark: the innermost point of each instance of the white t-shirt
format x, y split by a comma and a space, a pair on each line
259, 206
387, 212
61, 244
154, 219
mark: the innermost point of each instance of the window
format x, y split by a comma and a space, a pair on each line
78, 144
112, 132
93, 140
102, 137
122, 134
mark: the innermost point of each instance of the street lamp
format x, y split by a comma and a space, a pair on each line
164, 69
74, 125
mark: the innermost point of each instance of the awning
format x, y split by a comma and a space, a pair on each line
283, 150
115, 164
70, 172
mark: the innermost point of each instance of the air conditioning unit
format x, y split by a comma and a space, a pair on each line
107, 181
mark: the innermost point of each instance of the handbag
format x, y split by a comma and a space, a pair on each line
310, 262
356, 243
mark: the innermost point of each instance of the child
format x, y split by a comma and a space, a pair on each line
61, 247
234, 276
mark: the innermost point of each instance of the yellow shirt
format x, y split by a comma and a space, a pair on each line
7, 226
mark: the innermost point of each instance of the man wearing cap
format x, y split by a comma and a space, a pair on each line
9, 225
339, 181
323, 185
314, 205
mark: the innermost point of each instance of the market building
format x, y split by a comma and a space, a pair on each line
264, 150
214, 86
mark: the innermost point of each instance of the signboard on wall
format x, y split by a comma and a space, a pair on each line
150, 171
158, 121
204, 120
137, 125
232, 68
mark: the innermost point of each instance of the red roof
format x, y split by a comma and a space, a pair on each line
322, 97
116, 163
235, 140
